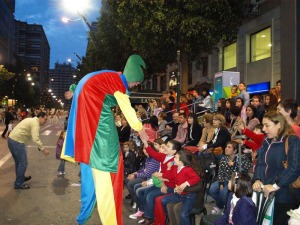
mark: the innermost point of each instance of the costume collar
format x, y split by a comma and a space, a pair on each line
123, 78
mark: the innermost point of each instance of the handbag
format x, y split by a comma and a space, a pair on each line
207, 161
191, 148
296, 183
216, 151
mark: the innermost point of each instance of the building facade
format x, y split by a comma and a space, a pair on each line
32, 48
60, 79
267, 49
7, 29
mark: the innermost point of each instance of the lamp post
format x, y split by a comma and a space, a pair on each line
77, 6
178, 82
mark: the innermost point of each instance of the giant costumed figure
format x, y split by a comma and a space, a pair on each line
92, 138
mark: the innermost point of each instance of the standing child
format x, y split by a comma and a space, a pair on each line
240, 208
129, 158
10, 127
186, 172
59, 145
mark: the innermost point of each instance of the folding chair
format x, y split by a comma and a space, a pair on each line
209, 178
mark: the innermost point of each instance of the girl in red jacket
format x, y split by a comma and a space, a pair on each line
186, 172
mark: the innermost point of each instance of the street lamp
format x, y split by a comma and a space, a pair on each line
78, 6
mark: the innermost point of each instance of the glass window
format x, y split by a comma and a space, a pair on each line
229, 56
261, 45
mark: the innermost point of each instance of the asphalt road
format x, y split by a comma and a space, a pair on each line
52, 199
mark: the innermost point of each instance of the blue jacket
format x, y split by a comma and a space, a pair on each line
244, 212
269, 168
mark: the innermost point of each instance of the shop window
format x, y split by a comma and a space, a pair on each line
261, 45
229, 56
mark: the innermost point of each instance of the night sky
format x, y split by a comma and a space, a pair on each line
64, 38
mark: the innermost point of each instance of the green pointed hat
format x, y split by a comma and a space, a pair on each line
133, 71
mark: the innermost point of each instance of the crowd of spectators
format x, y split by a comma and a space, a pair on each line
261, 124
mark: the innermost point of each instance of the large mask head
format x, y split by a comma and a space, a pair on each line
133, 69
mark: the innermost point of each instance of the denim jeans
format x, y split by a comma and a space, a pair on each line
61, 167
219, 196
130, 186
187, 200
140, 194
19, 153
149, 204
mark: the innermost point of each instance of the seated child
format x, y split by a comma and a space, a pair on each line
240, 209
129, 158
186, 172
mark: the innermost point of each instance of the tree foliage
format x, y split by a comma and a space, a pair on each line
156, 29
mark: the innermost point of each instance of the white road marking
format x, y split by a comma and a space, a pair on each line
4, 159
34, 146
46, 132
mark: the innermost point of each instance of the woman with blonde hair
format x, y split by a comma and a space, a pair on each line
281, 145
208, 130
221, 134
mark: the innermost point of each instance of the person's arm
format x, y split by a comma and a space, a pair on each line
151, 167
293, 158
160, 157
35, 135
128, 111
252, 123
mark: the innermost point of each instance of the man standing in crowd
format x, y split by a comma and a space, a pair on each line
260, 111
8, 118
244, 94
197, 100
20, 136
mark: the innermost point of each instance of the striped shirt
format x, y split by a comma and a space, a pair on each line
151, 166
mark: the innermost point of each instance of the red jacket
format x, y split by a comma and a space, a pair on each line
256, 139
185, 174
160, 157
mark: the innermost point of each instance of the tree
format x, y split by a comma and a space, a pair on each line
15, 86
158, 28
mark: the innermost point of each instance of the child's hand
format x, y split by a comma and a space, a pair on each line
240, 141
144, 183
241, 126
130, 177
157, 174
178, 190
163, 189
144, 137
183, 186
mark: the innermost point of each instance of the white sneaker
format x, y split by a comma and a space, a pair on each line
134, 205
136, 215
59, 173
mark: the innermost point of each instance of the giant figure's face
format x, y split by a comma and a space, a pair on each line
133, 84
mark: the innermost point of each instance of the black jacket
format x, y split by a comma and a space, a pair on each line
196, 135
223, 136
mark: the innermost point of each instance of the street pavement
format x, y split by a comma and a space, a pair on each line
52, 199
